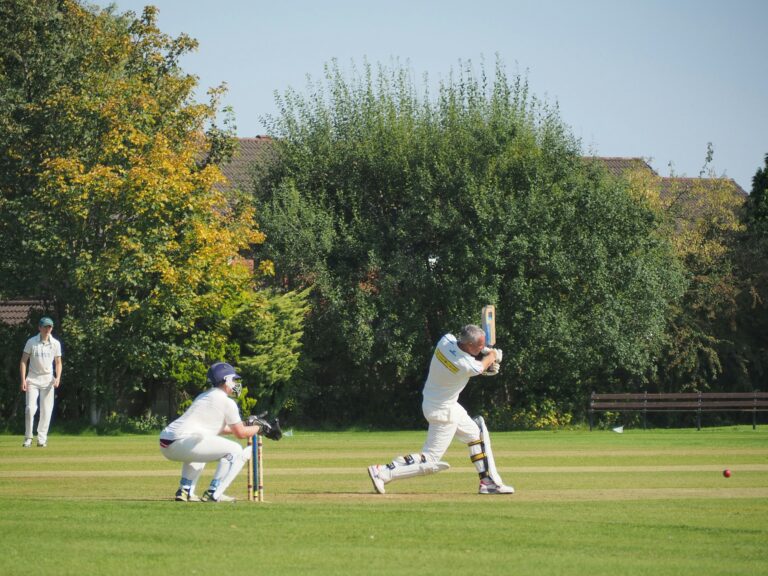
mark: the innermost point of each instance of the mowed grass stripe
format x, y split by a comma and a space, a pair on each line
586, 505
346, 471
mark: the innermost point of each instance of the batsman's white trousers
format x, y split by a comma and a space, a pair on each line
444, 425
195, 451
45, 394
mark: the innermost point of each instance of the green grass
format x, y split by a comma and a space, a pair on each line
591, 503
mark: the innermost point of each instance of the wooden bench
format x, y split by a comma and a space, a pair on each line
698, 402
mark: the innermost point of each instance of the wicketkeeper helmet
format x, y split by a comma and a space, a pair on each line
221, 372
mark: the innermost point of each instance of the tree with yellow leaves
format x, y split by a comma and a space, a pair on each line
703, 221
113, 209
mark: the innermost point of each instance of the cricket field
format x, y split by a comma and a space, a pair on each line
588, 503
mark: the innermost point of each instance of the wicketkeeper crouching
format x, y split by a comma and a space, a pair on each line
454, 362
194, 438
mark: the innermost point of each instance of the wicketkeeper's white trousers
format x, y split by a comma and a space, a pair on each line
45, 395
196, 451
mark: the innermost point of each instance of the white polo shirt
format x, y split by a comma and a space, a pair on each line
41, 356
207, 416
450, 370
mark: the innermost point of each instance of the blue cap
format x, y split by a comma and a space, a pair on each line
218, 372
45, 321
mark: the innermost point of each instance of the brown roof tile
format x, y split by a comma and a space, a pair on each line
670, 187
618, 166
15, 312
677, 185
239, 170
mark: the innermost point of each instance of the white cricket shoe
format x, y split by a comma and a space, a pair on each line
27, 443
185, 495
495, 489
208, 497
378, 482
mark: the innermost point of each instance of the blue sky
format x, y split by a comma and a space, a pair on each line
657, 79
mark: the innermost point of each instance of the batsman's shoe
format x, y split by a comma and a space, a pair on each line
184, 495
378, 483
495, 489
208, 497
27, 443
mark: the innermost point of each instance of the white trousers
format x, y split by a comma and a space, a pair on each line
444, 425
45, 396
196, 451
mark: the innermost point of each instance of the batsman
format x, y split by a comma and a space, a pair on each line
454, 362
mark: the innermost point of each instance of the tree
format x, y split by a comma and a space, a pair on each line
758, 199
715, 336
269, 328
112, 208
752, 261
408, 214
705, 218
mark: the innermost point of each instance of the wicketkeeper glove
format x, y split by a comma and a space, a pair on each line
267, 429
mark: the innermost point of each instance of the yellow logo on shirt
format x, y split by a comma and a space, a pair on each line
445, 362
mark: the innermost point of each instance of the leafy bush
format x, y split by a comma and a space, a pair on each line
115, 423
544, 415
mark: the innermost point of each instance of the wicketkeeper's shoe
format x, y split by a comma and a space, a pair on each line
492, 488
378, 483
208, 497
41, 444
184, 495
27, 443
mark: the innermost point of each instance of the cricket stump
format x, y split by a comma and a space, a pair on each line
256, 471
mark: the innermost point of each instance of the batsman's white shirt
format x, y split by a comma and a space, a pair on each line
450, 370
41, 356
207, 416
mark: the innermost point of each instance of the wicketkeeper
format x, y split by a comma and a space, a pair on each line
194, 438
454, 362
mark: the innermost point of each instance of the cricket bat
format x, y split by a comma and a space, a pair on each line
488, 324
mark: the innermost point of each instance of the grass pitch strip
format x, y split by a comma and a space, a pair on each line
642, 502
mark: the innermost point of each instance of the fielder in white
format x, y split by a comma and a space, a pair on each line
194, 438
43, 355
454, 362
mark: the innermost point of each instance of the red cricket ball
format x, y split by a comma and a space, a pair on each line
727, 473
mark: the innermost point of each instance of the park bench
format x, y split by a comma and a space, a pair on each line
698, 402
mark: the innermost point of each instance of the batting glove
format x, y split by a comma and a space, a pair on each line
492, 370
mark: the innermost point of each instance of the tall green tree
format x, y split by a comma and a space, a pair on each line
408, 212
705, 219
752, 258
113, 208
758, 198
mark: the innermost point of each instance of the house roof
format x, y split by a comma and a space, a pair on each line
15, 312
668, 185
239, 170
618, 166
672, 185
